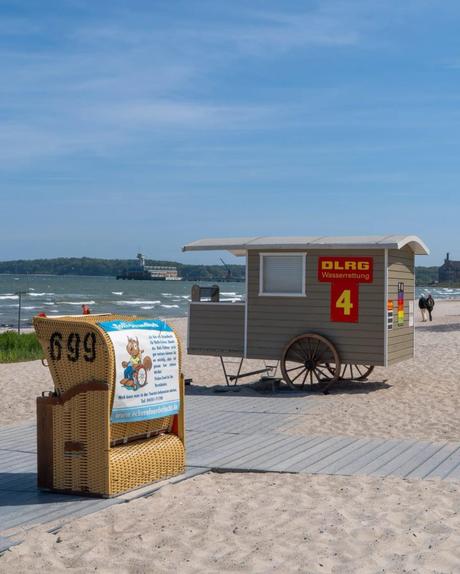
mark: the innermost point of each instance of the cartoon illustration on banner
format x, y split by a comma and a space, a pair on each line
147, 369
135, 369
345, 274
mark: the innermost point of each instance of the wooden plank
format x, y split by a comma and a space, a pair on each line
6, 543
340, 443
397, 448
454, 473
446, 466
20, 482
430, 465
354, 466
248, 460
234, 445
316, 453
411, 463
273, 461
208, 440
355, 451
232, 448
33, 514
392, 465
230, 442
214, 352
250, 450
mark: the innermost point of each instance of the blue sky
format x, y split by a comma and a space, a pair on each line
148, 124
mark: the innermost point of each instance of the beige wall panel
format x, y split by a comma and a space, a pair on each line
401, 339
216, 329
274, 321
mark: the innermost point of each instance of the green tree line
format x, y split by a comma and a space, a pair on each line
113, 267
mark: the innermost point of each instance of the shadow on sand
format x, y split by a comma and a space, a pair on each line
281, 390
20, 489
446, 328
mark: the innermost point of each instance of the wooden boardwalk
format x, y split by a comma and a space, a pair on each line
228, 431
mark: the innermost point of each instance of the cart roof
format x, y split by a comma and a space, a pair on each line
241, 245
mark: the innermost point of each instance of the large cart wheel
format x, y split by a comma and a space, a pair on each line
353, 372
310, 360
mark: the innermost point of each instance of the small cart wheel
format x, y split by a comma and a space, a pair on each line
141, 377
310, 359
353, 372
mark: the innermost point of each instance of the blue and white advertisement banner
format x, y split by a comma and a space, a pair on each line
146, 370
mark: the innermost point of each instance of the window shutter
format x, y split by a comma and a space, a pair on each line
283, 274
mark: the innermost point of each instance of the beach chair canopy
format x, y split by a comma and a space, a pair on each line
241, 245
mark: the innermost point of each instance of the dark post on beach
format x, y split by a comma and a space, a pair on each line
20, 294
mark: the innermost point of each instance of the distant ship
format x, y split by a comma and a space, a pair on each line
144, 272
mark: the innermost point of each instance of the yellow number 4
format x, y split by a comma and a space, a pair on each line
344, 302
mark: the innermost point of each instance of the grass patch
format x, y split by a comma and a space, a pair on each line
15, 348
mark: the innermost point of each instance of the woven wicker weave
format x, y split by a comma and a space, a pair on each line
89, 454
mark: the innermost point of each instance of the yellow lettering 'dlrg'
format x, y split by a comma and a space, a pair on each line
346, 266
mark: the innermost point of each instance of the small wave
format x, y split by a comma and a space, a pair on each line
49, 303
170, 306
137, 302
167, 294
77, 302
228, 293
8, 297
148, 307
29, 308
117, 292
41, 294
232, 299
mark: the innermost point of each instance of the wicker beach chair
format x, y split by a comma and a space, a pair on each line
79, 449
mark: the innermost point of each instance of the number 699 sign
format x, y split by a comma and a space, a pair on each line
74, 347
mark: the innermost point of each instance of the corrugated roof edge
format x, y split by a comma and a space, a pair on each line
240, 245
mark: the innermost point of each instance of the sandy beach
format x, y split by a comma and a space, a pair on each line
261, 523
280, 522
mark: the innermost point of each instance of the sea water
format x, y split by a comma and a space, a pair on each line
64, 295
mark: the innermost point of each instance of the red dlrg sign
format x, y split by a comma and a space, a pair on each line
354, 269
345, 274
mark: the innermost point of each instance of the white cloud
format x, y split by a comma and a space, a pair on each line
185, 115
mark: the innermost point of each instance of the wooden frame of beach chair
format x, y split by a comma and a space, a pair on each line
79, 449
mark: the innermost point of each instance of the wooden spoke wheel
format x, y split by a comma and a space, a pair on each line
352, 372
310, 360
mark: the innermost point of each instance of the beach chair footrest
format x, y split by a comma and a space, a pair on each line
139, 463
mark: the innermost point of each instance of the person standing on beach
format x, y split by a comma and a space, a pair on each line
429, 303
422, 307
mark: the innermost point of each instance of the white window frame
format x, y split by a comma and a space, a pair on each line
284, 254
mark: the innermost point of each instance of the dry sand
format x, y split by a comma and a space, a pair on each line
281, 523
417, 399
260, 523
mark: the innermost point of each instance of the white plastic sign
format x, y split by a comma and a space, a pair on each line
146, 370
